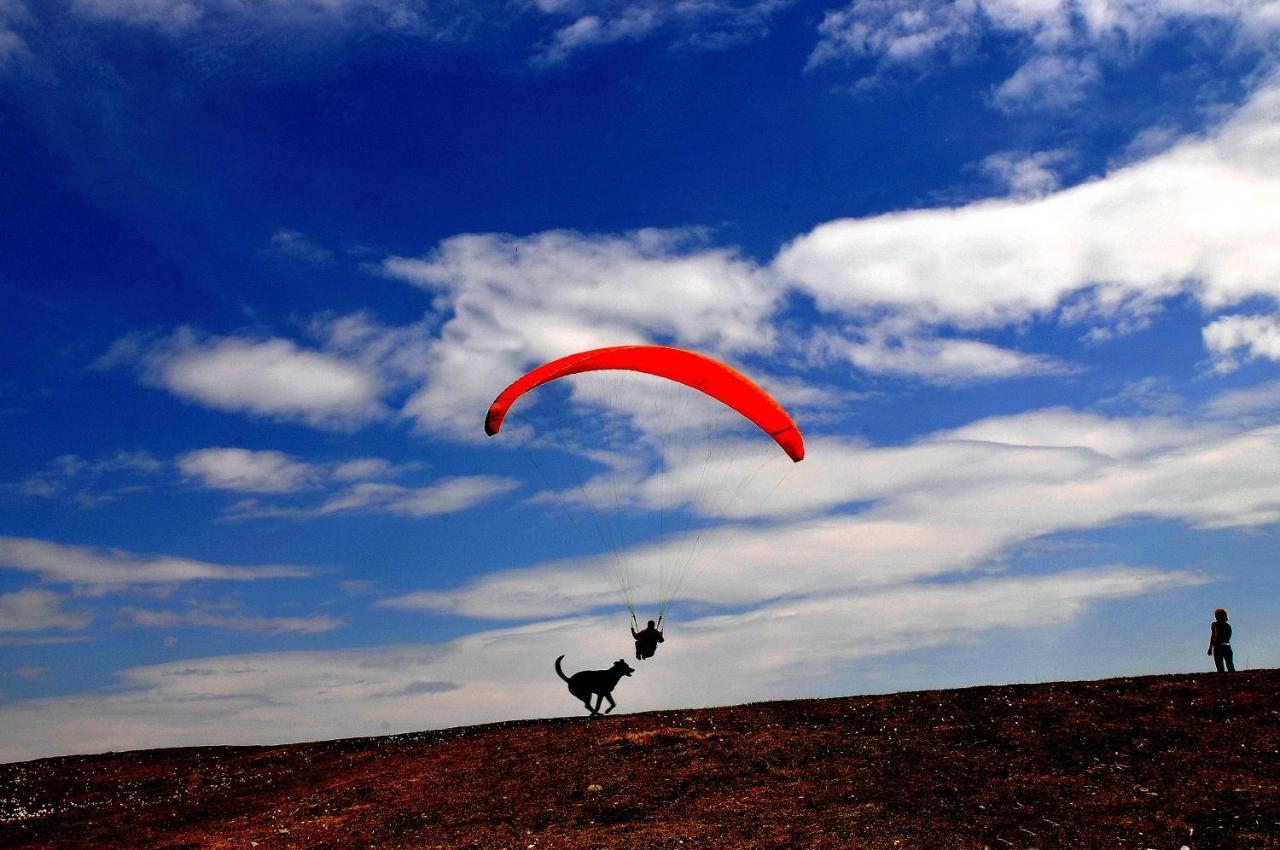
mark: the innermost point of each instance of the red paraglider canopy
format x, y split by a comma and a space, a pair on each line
708, 376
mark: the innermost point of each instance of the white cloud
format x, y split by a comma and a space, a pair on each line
895, 32
710, 24
299, 246
247, 471
43, 641
518, 302
942, 360
445, 496
1232, 338
269, 377
1047, 82
593, 31
167, 619
1063, 41
1243, 403
1061, 427
952, 502
66, 471
35, 609
13, 47
1202, 218
81, 565
367, 468
433, 20
806, 646
1026, 174
580, 24
30, 672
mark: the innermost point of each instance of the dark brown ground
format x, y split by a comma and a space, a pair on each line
1151, 762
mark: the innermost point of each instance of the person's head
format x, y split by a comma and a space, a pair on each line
1220, 615
651, 624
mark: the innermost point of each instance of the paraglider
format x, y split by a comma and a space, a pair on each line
700, 373
647, 640
703, 374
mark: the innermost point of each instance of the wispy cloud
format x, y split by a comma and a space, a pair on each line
1243, 403
92, 482
238, 622
82, 565
299, 246
30, 672
36, 609
430, 20
707, 24
14, 16
445, 496
1065, 45
940, 360
951, 502
807, 646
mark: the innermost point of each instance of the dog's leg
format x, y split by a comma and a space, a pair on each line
612, 704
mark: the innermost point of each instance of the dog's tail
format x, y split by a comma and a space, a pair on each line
560, 672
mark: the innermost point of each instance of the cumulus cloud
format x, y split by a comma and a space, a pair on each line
514, 302
36, 609
82, 565
1197, 219
806, 646
1232, 339
266, 377
1052, 82
1024, 174
247, 471
1202, 218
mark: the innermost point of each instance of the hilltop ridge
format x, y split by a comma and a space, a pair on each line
1146, 762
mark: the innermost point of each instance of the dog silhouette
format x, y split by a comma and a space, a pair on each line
598, 683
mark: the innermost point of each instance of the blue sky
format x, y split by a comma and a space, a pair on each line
1012, 266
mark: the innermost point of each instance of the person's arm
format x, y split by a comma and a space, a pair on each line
660, 637
634, 635
1213, 639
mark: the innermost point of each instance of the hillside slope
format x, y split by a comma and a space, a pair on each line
1155, 761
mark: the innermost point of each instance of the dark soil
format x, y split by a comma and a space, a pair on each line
1151, 762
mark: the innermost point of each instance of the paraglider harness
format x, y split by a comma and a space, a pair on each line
648, 638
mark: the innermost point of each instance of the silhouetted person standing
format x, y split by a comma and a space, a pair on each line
1220, 642
647, 640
